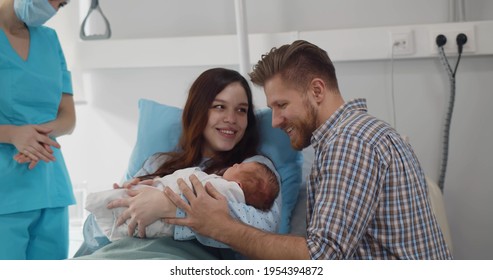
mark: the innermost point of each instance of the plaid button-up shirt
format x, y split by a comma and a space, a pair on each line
367, 194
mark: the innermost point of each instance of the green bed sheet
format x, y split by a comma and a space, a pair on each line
164, 248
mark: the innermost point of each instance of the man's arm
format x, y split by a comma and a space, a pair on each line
208, 215
257, 244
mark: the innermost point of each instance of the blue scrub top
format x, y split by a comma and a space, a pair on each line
30, 93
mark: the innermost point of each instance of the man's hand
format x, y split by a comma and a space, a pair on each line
208, 209
208, 215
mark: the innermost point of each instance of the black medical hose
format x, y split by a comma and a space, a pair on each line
448, 119
441, 40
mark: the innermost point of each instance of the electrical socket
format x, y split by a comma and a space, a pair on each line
402, 42
451, 34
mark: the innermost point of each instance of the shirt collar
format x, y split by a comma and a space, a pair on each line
358, 104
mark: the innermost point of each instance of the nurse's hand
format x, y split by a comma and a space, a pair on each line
145, 206
22, 158
33, 141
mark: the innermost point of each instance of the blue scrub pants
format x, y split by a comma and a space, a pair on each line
34, 235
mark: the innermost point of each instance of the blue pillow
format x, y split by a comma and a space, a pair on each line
159, 129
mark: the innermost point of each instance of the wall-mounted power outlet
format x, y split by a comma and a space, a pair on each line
451, 34
402, 42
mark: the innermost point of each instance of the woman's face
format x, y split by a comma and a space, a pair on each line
227, 120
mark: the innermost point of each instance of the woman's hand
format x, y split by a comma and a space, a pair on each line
33, 142
128, 184
22, 158
132, 182
145, 206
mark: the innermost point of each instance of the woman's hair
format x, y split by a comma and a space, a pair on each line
297, 63
195, 118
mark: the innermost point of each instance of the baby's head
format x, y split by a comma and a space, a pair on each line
258, 182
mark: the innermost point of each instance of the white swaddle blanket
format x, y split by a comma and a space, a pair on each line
106, 218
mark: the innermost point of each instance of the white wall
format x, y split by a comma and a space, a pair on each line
98, 150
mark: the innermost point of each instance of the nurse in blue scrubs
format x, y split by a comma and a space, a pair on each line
36, 106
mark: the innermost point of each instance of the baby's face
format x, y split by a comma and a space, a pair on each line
233, 173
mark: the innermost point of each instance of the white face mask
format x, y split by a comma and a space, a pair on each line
34, 12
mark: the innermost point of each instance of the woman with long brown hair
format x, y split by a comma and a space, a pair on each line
219, 130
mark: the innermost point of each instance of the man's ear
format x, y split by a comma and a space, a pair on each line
318, 89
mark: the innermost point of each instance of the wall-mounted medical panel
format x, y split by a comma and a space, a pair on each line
357, 44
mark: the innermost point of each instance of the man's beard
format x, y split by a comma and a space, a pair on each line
304, 128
